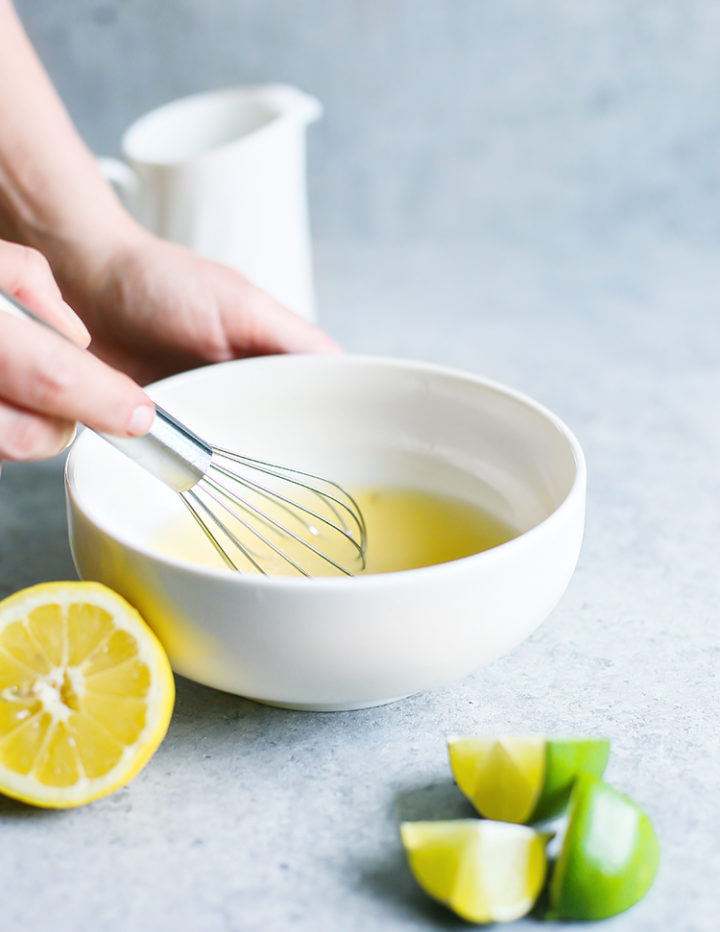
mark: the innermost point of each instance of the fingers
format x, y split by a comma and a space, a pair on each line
28, 436
293, 334
41, 374
26, 274
264, 326
277, 330
46, 384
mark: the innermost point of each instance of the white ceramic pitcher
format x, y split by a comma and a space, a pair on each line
224, 174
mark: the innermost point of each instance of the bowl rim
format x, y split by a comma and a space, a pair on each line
399, 577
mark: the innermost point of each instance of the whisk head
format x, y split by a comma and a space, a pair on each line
277, 520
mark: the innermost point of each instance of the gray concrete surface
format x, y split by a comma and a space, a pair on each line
250, 818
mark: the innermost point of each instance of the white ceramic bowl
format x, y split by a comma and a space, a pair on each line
343, 643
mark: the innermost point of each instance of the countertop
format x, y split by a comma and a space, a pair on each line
251, 818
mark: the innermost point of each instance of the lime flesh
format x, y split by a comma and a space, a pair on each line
523, 778
502, 777
609, 857
483, 871
566, 758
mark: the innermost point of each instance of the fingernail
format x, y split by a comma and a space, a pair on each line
80, 327
140, 420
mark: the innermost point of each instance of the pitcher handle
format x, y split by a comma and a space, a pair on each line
122, 178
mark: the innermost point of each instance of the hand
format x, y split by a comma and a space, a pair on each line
48, 382
155, 308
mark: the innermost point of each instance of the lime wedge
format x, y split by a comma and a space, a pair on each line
609, 857
483, 871
565, 759
523, 778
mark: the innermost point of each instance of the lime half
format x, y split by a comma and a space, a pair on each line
609, 857
483, 871
523, 778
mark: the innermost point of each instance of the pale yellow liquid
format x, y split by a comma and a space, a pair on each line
406, 529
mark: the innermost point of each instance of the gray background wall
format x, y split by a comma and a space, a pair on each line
445, 119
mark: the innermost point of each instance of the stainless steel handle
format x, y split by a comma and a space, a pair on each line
170, 451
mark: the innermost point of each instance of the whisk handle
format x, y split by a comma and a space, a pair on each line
169, 450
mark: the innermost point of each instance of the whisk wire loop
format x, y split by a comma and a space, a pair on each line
190, 497
212, 486
249, 527
288, 474
291, 507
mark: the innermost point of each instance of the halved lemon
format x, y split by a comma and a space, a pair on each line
523, 778
86, 693
483, 871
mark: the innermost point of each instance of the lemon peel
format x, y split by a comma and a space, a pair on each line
86, 693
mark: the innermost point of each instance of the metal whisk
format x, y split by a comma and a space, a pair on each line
244, 506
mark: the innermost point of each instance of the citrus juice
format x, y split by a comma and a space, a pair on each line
406, 529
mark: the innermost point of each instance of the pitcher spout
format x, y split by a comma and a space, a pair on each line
290, 102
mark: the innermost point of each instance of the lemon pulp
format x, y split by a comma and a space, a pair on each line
86, 693
523, 778
503, 777
484, 871
406, 528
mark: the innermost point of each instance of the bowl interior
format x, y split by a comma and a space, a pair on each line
358, 421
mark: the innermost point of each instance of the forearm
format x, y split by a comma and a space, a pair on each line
52, 195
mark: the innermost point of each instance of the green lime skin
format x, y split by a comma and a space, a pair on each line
609, 857
565, 759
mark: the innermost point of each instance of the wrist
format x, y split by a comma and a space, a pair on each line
72, 217
82, 249
52, 194
79, 226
